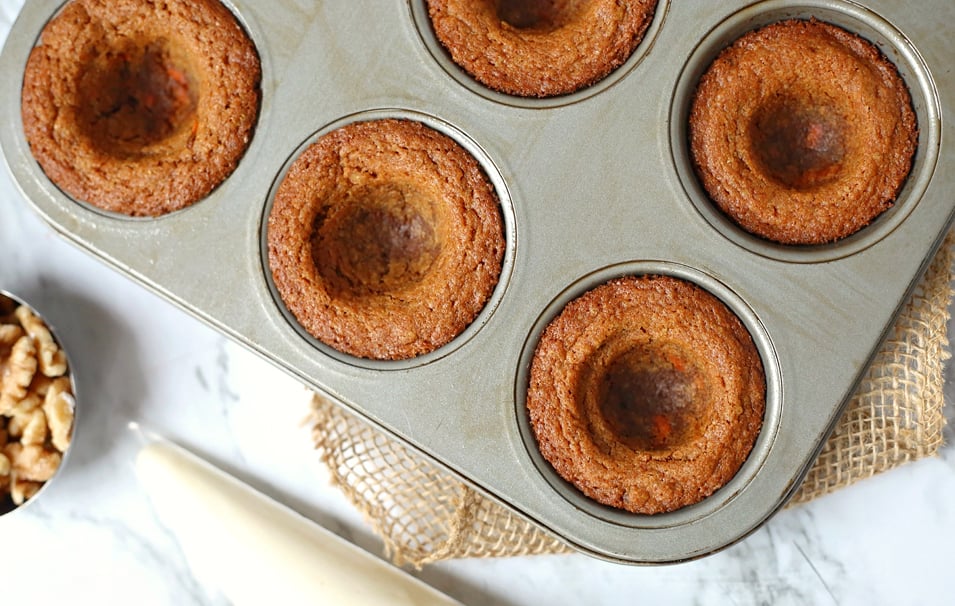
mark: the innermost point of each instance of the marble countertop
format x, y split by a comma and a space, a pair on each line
93, 538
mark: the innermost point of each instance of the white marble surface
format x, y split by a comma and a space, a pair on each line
93, 537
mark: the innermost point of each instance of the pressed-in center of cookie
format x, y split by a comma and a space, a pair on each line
540, 15
381, 240
647, 398
800, 145
136, 96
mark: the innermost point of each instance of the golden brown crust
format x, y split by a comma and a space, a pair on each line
802, 132
137, 107
385, 239
646, 393
540, 48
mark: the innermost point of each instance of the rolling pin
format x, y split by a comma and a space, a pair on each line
261, 552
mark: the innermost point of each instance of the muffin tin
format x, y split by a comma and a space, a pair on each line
593, 185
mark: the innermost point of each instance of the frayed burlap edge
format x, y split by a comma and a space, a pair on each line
424, 514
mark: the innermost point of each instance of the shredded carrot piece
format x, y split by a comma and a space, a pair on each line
661, 429
677, 363
177, 76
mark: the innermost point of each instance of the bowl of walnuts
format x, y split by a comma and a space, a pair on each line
37, 403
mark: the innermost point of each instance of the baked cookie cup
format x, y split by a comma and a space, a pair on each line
802, 133
141, 108
646, 393
539, 48
385, 239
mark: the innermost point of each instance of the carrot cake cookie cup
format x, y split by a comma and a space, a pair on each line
141, 108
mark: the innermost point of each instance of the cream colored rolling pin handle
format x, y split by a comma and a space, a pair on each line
260, 552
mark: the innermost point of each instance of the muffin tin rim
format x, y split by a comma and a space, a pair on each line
920, 84
508, 218
426, 36
762, 445
252, 30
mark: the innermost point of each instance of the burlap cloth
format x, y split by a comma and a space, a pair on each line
423, 514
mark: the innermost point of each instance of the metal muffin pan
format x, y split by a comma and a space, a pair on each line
593, 185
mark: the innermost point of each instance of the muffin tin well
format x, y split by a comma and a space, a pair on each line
594, 185
419, 13
853, 18
507, 214
764, 347
147, 122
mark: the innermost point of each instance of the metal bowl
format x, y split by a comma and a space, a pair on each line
8, 303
